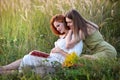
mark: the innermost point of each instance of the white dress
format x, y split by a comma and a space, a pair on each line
34, 61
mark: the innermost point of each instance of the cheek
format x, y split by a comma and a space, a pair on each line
68, 24
62, 28
71, 24
70, 27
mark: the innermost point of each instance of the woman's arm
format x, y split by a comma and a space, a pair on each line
70, 40
77, 49
58, 50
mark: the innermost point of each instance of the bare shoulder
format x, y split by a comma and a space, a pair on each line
92, 28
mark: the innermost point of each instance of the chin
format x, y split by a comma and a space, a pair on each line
61, 32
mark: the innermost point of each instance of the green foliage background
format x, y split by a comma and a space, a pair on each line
24, 24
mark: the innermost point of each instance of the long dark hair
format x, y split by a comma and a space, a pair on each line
79, 22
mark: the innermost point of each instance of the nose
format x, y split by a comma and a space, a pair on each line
67, 24
58, 29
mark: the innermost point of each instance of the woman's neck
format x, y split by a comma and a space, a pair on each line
64, 35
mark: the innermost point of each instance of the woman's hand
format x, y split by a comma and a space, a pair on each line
56, 50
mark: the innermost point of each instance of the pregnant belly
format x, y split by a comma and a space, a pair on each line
60, 58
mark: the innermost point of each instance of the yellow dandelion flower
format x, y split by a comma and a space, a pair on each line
70, 60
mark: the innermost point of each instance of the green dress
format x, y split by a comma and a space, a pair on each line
99, 47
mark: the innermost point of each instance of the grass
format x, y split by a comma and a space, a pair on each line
24, 26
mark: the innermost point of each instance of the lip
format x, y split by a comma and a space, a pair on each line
59, 31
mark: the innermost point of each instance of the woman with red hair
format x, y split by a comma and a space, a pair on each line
58, 53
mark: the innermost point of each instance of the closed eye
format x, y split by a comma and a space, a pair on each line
69, 22
58, 25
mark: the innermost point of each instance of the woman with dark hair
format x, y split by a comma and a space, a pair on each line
58, 53
89, 33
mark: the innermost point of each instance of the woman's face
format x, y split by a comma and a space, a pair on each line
69, 23
59, 26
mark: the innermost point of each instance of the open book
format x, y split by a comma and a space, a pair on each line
39, 54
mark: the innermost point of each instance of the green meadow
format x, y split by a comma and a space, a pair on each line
25, 26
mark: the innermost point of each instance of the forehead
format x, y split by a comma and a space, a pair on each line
57, 23
68, 20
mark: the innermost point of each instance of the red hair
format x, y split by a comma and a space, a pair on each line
58, 18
